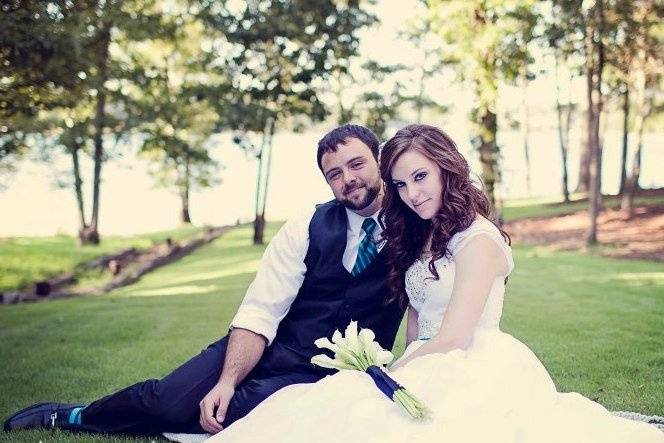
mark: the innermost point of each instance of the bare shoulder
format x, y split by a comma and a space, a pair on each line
482, 253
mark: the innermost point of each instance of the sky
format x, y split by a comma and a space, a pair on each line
32, 205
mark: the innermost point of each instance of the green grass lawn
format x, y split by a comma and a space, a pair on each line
518, 209
597, 324
24, 260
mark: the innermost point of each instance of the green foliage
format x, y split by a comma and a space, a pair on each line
277, 51
277, 55
375, 109
40, 61
487, 42
62, 79
168, 107
40, 55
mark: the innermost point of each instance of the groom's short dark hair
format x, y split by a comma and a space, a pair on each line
340, 135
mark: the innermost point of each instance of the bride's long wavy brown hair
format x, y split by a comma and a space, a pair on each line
404, 232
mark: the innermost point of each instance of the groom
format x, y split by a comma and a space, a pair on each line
318, 273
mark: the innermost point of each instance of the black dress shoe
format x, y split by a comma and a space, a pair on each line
42, 415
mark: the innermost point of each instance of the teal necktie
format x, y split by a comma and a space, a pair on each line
367, 249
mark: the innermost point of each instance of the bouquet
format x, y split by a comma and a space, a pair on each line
359, 351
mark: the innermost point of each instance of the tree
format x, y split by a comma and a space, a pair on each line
588, 28
564, 113
594, 51
377, 107
419, 33
74, 137
42, 64
644, 26
489, 42
65, 56
177, 142
168, 106
278, 55
117, 22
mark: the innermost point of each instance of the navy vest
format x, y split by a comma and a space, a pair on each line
330, 297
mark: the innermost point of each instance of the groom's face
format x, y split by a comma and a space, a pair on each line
352, 173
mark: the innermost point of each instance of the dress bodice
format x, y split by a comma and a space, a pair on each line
430, 297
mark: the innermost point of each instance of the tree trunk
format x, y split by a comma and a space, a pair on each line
420, 95
184, 217
625, 140
583, 184
525, 128
563, 135
594, 67
100, 122
489, 153
484, 116
345, 115
78, 187
184, 193
568, 125
259, 222
632, 183
264, 164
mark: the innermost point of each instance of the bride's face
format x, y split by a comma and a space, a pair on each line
419, 183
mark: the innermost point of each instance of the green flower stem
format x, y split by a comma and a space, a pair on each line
398, 399
409, 402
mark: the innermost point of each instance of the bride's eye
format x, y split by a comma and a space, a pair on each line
420, 176
398, 185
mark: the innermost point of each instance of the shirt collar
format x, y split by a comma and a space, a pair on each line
355, 222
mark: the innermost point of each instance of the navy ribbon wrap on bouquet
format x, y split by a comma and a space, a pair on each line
359, 351
384, 382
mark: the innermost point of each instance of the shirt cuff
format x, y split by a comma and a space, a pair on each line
256, 321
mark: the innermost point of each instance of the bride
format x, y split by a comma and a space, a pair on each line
449, 264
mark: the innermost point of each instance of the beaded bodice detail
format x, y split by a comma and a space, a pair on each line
430, 297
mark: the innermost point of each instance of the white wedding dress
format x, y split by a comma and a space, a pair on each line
496, 391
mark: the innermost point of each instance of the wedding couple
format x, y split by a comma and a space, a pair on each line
422, 239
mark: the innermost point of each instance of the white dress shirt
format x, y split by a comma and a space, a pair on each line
281, 273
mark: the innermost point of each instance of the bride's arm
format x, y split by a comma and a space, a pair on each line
411, 325
477, 265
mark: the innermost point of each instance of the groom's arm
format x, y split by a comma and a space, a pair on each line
266, 303
277, 282
243, 351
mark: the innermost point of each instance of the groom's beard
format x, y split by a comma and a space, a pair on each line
370, 194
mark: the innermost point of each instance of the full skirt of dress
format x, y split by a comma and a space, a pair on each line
496, 391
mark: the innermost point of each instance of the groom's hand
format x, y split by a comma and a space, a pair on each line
219, 397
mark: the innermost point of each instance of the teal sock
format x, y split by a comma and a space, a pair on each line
75, 416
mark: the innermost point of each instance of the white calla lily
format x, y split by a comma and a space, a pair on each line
348, 357
337, 338
360, 351
384, 357
352, 338
366, 339
324, 343
367, 336
326, 362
